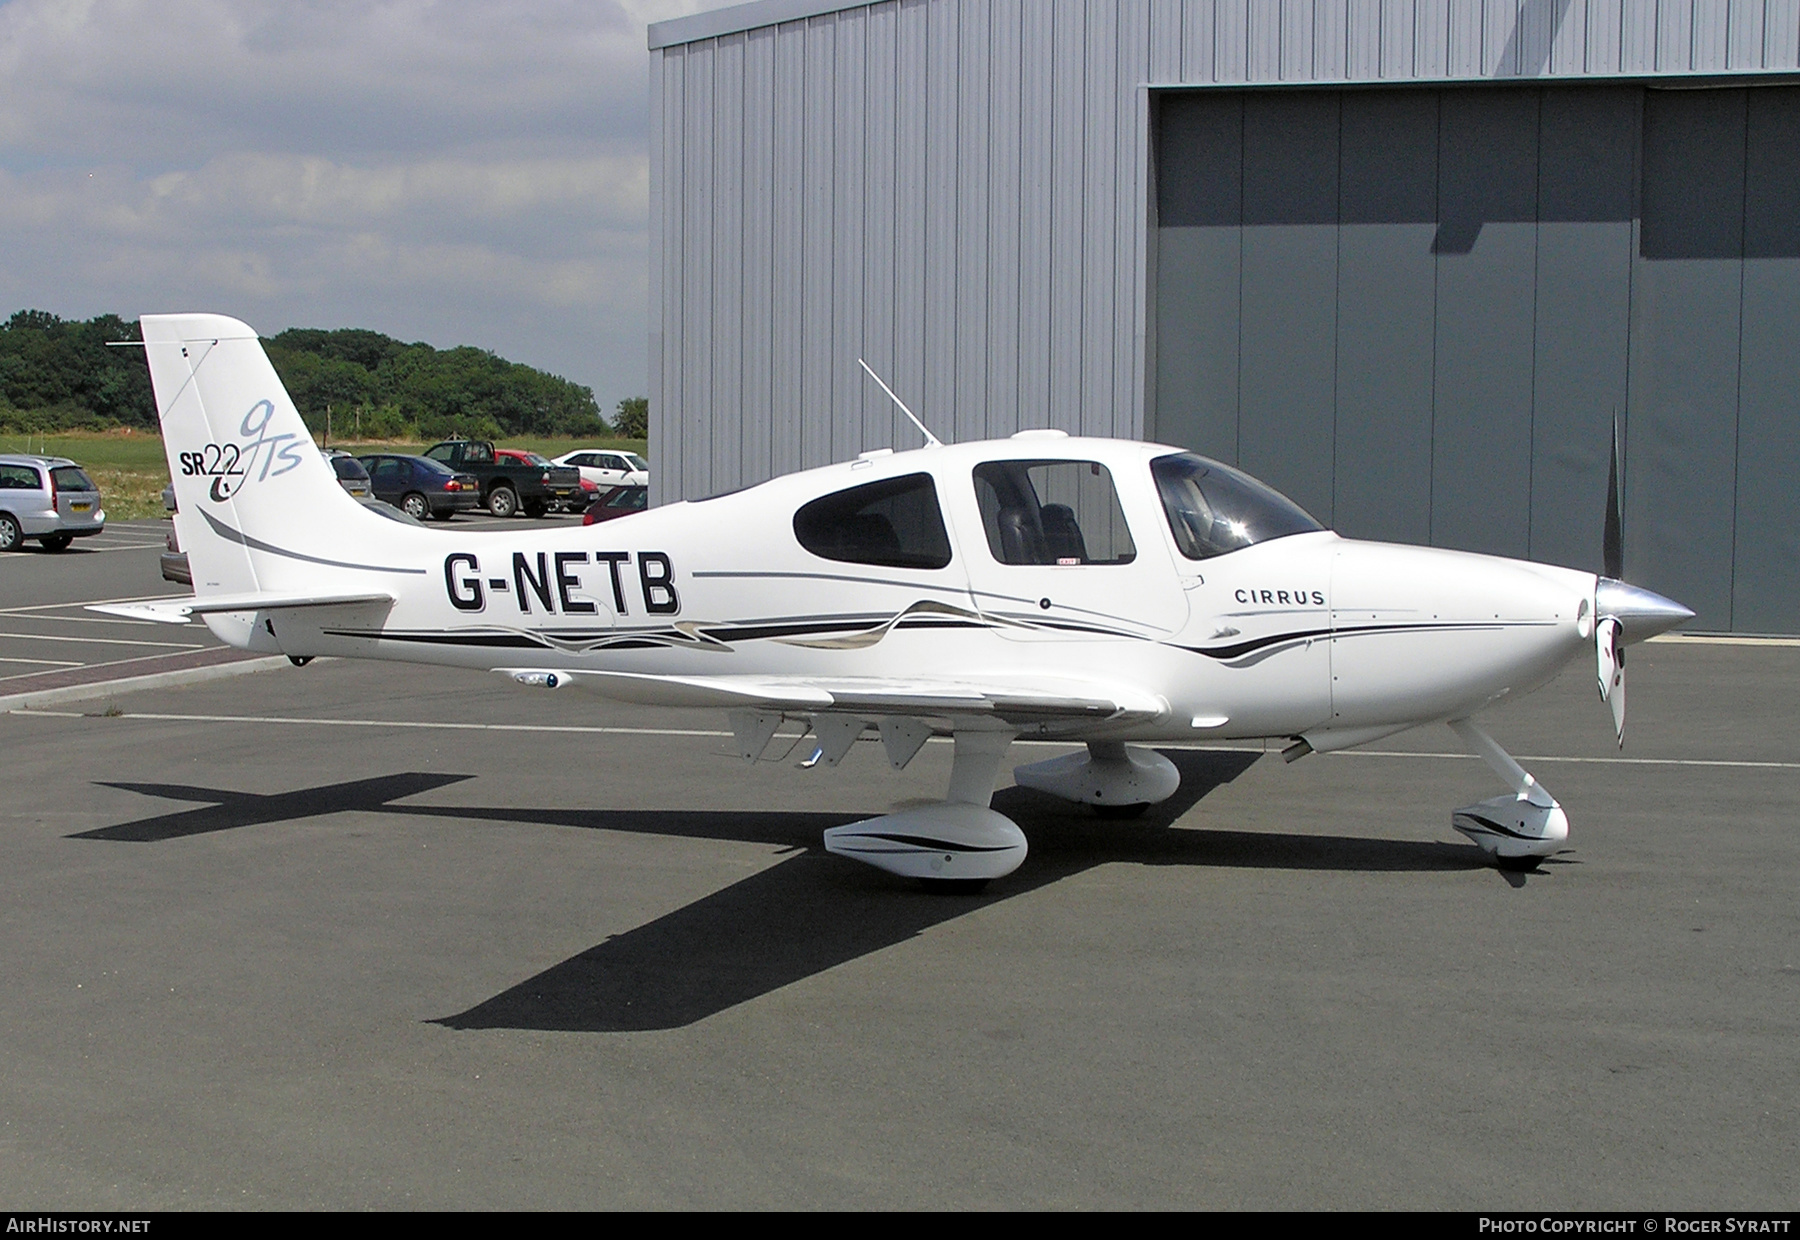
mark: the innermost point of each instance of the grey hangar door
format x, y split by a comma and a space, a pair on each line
1417, 310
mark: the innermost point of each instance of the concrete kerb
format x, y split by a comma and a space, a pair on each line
130, 684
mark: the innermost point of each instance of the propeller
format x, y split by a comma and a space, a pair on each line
1609, 647
1623, 613
1612, 538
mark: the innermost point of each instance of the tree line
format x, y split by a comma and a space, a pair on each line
58, 374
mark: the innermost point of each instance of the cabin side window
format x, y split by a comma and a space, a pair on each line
1052, 512
895, 523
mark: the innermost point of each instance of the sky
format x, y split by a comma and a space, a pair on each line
439, 170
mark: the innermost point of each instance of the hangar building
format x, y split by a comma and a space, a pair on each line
1403, 259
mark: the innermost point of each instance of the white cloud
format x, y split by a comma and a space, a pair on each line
459, 172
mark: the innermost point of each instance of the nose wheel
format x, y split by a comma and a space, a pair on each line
1517, 831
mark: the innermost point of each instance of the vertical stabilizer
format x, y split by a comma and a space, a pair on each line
257, 507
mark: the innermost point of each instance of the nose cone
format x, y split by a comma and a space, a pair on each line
1641, 613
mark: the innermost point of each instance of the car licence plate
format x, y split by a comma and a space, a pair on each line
79, 507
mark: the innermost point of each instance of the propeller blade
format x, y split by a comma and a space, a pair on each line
1612, 541
1609, 650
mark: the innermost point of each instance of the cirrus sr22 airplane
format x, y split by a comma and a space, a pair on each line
1094, 591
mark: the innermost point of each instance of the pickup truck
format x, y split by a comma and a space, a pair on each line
508, 486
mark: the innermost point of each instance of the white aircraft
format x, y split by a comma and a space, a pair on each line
1087, 590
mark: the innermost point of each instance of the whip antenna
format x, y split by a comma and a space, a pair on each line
931, 441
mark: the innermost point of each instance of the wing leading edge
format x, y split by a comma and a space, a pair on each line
862, 695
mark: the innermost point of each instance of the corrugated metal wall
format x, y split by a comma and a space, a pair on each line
957, 190
952, 190
1416, 311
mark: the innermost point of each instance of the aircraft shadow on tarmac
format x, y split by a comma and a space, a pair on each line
806, 913
226, 810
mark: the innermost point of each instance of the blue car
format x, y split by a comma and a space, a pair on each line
420, 487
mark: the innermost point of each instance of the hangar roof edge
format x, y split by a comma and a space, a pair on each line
740, 17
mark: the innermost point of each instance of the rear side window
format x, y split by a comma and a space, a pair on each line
1052, 512
19, 478
70, 478
349, 469
895, 523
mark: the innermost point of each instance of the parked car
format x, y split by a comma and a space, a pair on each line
575, 503
420, 487
175, 562
48, 498
608, 467
509, 486
350, 473
615, 503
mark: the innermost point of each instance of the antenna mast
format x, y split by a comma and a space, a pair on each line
931, 441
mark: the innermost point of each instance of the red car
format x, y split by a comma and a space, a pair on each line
589, 491
618, 502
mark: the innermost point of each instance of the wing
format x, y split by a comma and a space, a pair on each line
1011, 703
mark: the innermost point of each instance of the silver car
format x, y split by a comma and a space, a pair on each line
48, 498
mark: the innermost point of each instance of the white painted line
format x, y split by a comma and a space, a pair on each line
46, 616
93, 602
45, 662
1524, 758
452, 726
103, 641
394, 723
1721, 639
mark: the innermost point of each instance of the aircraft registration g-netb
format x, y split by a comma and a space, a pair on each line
1087, 590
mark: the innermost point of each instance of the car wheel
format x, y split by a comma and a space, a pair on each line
413, 505
11, 536
57, 542
502, 502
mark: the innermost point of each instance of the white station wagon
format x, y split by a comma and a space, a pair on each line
608, 467
48, 498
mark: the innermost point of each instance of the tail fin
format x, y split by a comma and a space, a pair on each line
247, 476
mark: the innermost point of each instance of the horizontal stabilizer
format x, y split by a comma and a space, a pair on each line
868, 695
177, 610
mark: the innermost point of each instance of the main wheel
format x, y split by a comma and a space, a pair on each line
535, 508
503, 501
415, 506
1134, 810
444, 514
12, 535
57, 542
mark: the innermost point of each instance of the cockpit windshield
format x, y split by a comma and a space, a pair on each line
1213, 509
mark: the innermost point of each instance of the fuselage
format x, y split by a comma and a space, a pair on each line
1059, 558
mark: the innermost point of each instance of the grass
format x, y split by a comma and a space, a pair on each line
131, 469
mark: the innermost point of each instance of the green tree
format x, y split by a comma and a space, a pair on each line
632, 421
66, 367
